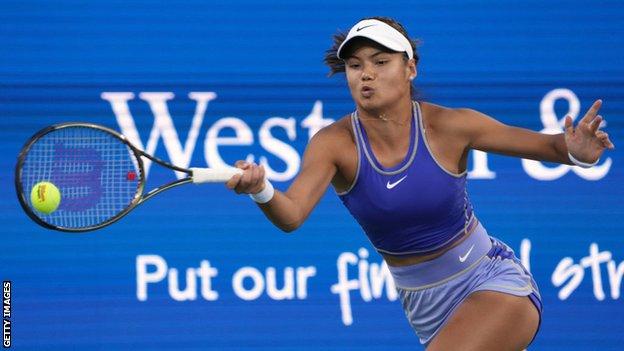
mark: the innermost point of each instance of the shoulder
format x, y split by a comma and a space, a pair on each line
441, 118
466, 125
333, 139
335, 134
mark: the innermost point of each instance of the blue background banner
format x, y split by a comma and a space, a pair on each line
204, 83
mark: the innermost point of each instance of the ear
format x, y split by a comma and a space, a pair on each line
413, 72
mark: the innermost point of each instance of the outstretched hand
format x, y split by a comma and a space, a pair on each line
587, 142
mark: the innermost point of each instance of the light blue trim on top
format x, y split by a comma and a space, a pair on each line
358, 148
423, 130
415, 124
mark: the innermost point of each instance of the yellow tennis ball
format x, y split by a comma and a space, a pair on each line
45, 197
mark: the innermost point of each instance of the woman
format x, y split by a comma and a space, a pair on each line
399, 166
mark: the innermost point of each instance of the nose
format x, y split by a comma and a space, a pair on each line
368, 73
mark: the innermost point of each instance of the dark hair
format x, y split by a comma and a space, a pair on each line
337, 65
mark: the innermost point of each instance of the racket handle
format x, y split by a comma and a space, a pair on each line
214, 175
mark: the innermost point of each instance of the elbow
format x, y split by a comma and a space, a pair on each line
290, 219
289, 227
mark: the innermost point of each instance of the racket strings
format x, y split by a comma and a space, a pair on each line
96, 173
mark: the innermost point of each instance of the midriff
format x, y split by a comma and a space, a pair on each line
414, 259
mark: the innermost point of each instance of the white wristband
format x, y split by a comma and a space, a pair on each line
581, 164
265, 195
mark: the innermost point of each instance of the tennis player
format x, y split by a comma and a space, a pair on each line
399, 166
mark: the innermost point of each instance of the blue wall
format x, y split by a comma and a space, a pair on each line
263, 60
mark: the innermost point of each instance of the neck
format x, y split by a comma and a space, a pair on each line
392, 128
398, 113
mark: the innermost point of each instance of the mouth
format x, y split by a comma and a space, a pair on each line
367, 91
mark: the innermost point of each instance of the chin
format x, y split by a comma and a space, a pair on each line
372, 101
368, 105
373, 104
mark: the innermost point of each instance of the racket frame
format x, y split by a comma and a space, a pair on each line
138, 198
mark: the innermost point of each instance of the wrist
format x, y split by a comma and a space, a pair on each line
265, 195
581, 164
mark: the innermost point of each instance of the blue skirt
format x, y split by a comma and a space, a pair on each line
431, 291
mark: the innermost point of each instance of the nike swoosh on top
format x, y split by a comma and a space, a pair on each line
359, 29
392, 185
463, 258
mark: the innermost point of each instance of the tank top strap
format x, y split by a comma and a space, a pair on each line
360, 153
418, 120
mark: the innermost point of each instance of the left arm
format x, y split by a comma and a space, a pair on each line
586, 142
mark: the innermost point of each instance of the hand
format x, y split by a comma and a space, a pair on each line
250, 182
587, 142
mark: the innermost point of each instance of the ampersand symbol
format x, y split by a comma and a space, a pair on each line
554, 125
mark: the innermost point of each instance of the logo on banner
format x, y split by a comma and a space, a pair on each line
164, 128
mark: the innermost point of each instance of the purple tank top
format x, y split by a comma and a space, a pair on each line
415, 207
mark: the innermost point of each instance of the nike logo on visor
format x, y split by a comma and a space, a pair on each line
359, 29
392, 185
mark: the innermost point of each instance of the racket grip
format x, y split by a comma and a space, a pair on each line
214, 175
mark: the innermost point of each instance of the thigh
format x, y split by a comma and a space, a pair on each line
489, 320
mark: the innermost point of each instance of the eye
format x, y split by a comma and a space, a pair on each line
354, 65
382, 62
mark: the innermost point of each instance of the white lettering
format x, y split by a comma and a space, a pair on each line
256, 278
315, 121
243, 137
144, 277
181, 156
269, 280
593, 261
525, 254
380, 277
205, 273
303, 273
615, 278
480, 164
189, 293
372, 277
567, 269
163, 124
288, 291
365, 290
552, 125
344, 285
280, 149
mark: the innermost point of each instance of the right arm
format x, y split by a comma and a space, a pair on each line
288, 210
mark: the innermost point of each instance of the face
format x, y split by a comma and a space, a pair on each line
378, 79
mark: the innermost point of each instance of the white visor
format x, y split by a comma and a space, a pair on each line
381, 33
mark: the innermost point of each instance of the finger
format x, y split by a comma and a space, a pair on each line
242, 164
246, 178
592, 112
233, 182
604, 139
569, 126
593, 126
262, 172
258, 179
608, 144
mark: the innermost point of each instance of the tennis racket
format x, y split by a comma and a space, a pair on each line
98, 172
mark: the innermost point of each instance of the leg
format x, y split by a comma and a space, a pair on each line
489, 320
